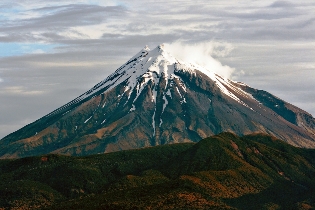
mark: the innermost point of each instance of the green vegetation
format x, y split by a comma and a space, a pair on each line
221, 172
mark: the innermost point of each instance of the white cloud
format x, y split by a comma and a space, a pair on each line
203, 54
19, 90
306, 65
38, 51
84, 32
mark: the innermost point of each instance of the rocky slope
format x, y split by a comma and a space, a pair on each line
155, 99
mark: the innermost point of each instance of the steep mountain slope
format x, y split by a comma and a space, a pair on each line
221, 172
155, 99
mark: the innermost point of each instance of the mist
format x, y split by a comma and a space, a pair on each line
203, 54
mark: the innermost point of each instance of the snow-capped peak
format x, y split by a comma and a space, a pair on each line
151, 66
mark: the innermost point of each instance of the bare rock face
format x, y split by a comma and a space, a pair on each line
155, 99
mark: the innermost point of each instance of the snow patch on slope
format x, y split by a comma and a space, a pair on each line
88, 119
153, 123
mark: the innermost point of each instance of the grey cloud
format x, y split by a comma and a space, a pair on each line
18, 37
252, 12
67, 16
263, 23
71, 51
72, 15
281, 4
303, 24
268, 15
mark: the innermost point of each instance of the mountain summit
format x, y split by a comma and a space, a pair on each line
155, 99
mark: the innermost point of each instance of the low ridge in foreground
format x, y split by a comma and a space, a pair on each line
221, 172
156, 99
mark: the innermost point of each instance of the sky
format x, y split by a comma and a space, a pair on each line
52, 51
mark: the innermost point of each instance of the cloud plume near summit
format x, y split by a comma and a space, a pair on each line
203, 54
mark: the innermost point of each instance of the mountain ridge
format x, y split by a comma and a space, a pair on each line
223, 171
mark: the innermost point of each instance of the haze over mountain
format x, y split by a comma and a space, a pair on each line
155, 99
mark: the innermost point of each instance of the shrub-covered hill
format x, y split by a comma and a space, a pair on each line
221, 172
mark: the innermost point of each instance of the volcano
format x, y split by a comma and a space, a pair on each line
156, 99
